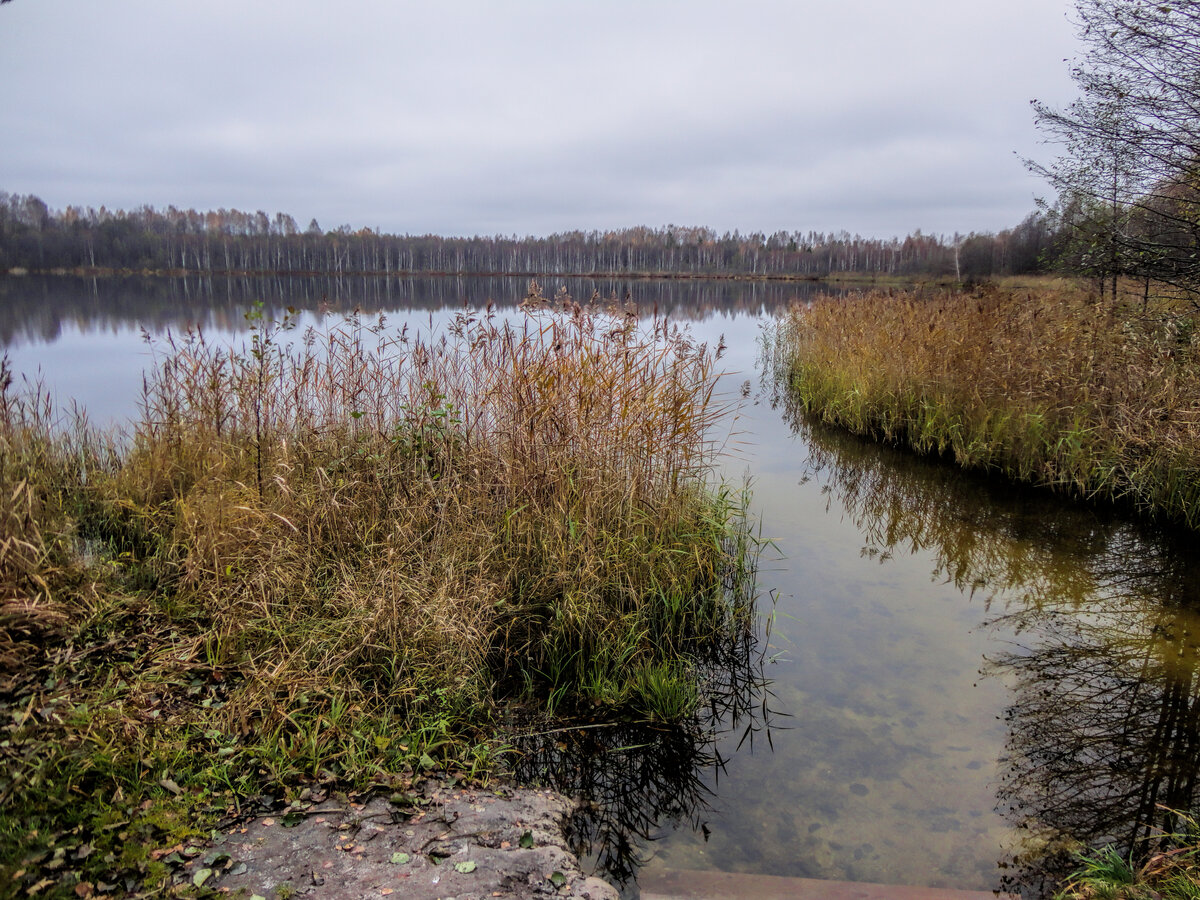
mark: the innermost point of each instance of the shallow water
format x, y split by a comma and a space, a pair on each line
965, 676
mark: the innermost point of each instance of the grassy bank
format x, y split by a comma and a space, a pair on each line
331, 560
1045, 384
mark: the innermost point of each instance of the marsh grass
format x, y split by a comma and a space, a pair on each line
1045, 384
333, 557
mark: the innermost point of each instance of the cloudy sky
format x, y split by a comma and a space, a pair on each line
534, 116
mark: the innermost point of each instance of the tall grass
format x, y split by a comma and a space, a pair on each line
337, 554
1047, 385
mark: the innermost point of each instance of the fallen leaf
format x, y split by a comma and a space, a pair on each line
84, 889
527, 841
268, 822
558, 879
201, 876
399, 858
170, 785
387, 891
464, 868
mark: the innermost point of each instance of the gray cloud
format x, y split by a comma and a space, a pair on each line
877, 116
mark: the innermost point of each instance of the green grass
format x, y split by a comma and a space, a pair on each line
1045, 384
1167, 870
344, 560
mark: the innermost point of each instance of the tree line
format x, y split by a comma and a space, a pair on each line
36, 238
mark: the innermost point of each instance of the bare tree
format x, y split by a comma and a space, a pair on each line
1129, 173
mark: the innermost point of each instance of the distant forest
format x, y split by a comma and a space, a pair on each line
36, 238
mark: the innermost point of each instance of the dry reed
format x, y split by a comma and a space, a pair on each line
1049, 386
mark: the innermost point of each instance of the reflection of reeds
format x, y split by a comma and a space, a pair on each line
632, 781
355, 548
1047, 386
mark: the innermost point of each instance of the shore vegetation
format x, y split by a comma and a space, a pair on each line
1168, 870
1051, 385
333, 560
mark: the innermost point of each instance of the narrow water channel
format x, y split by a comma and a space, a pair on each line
965, 677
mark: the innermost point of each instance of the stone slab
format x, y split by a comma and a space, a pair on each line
696, 885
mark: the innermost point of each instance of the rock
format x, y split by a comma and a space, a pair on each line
441, 842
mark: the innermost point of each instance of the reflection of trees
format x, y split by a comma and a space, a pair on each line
1105, 723
1102, 620
35, 308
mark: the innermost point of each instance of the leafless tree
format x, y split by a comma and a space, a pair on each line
1129, 173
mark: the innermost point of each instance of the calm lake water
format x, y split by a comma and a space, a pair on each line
964, 676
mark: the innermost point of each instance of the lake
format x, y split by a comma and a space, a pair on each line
965, 676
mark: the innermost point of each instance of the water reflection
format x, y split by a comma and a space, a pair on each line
1098, 621
36, 309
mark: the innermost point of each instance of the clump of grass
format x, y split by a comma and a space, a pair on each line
335, 557
1049, 385
1169, 871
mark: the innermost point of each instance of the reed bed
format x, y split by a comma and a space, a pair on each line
345, 554
1046, 385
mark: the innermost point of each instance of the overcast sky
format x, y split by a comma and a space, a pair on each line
535, 116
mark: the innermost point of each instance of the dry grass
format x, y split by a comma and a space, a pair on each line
1047, 385
506, 502
337, 555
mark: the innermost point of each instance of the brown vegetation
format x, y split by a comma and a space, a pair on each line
1047, 385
